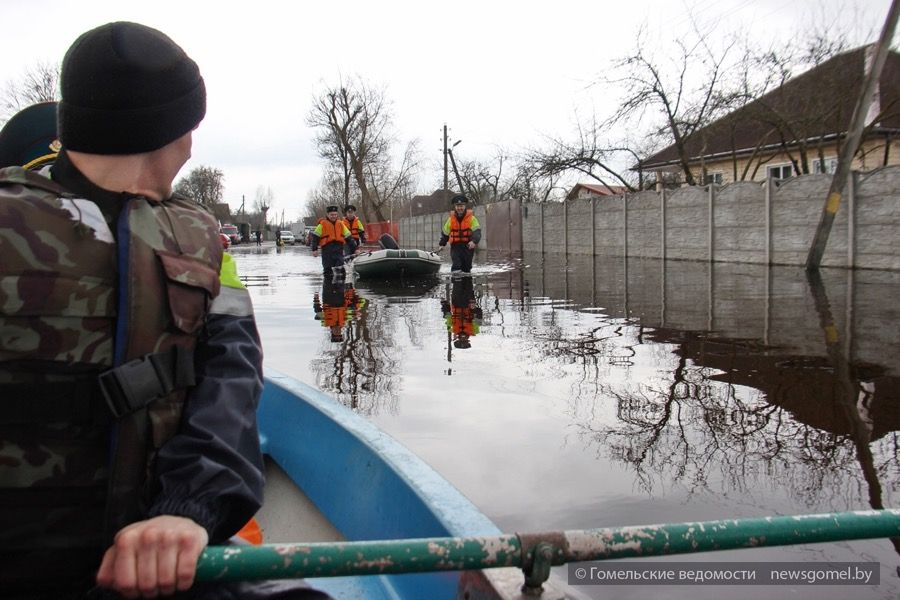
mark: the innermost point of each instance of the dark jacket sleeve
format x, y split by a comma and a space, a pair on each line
211, 471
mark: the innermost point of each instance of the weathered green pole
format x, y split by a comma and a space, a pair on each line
854, 134
283, 561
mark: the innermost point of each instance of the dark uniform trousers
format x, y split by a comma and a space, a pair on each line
461, 257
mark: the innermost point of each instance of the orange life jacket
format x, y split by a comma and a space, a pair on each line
353, 226
331, 232
251, 532
460, 231
334, 315
462, 320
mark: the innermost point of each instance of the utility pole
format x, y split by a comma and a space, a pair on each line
851, 144
445, 157
455, 170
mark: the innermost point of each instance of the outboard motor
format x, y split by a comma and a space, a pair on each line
387, 242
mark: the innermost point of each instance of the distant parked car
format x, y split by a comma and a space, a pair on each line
232, 232
288, 237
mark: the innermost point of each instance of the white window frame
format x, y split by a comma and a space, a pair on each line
780, 168
830, 166
715, 177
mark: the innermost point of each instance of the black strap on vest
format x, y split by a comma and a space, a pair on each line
115, 393
133, 385
73, 401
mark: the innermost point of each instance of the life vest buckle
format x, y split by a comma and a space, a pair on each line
133, 385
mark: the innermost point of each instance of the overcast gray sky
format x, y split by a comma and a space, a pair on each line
497, 72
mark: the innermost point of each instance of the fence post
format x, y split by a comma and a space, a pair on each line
662, 224
711, 223
767, 317
542, 229
851, 219
625, 225
711, 298
566, 227
593, 226
768, 209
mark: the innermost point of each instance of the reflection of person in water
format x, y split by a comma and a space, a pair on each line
462, 313
337, 304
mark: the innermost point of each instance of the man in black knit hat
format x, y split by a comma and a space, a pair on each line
130, 362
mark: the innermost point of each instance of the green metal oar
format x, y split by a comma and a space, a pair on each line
534, 553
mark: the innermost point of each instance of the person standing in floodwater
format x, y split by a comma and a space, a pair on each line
463, 231
355, 225
330, 236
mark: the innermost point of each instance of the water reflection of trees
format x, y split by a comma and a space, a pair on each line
714, 416
362, 370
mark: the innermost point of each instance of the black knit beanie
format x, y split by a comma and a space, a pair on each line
126, 89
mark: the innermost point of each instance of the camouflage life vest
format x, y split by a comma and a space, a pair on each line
75, 304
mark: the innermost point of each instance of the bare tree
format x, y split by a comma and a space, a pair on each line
329, 191
206, 185
664, 101
685, 91
588, 154
500, 177
39, 83
264, 199
353, 120
479, 179
530, 186
392, 187
671, 97
262, 203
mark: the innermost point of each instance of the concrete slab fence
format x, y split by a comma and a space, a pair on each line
742, 222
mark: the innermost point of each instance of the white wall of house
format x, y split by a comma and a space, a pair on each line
779, 165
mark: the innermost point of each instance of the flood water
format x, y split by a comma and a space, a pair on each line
603, 392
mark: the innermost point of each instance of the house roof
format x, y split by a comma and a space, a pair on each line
222, 212
437, 201
818, 104
597, 190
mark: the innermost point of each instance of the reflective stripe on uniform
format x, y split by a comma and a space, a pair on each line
232, 301
228, 276
233, 298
